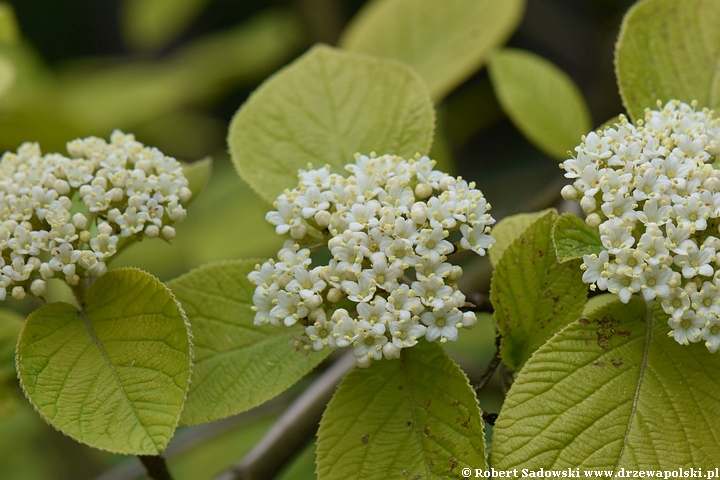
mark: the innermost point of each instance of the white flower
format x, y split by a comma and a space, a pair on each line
388, 256
711, 334
657, 174
405, 333
43, 227
687, 329
442, 323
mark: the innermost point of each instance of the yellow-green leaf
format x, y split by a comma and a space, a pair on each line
541, 100
669, 49
444, 41
533, 294
416, 417
510, 228
238, 365
115, 374
322, 109
610, 392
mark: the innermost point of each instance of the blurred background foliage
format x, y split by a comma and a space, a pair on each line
174, 72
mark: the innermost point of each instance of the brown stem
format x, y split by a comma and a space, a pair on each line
492, 366
155, 466
293, 430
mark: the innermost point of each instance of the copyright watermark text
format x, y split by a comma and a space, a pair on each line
580, 473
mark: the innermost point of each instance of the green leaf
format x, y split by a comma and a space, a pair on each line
541, 100
510, 228
323, 108
416, 417
152, 24
114, 375
609, 392
666, 50
445, 42
533, 294
238, 365
573, 238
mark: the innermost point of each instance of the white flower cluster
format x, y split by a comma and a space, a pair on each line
652, 193
389, 229
63, 217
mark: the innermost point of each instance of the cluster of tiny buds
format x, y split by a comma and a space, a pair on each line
64, 217
389, 228
654, 196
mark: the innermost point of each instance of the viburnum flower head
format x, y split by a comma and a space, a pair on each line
654, 195
389, 229
65, 217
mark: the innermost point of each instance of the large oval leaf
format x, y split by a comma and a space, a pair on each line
541, 100
115, 374
669, 49
238, 365
445, 42
323, 108
533, 294
610, 392
416, 417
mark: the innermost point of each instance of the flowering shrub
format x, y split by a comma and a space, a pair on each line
124, 189
371, 263
388, 283
654, 196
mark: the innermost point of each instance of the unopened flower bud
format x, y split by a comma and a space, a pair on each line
152, 231
469, 320
569, 192
184, 195
423, 191
588, 204
456, 272
322, 218
593, 220
418, 213
80, 221
38, 287
391, 351
334, 295
168, 232
62, 187
446, 182
116, 194
298, 231
18, 293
